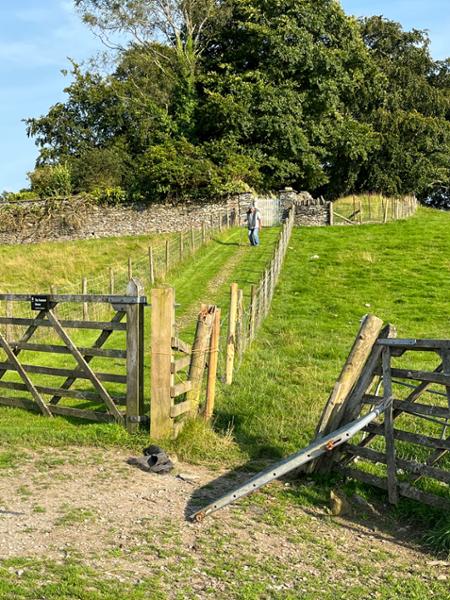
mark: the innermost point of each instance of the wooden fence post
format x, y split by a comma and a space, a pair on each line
212, 366
163, 320
84, 291
167, 258
253, 308
198, 356
330, 214
231, 339
151, 265
181, 246
135, 357
240, 324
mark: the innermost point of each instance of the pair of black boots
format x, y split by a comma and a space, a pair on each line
155, 460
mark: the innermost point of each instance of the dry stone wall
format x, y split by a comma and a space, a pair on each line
79, 218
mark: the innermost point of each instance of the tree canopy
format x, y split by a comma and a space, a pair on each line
210, 98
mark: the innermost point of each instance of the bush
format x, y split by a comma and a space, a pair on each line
51, 180
109, 195
100, 168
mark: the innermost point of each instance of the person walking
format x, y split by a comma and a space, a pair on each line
254, 224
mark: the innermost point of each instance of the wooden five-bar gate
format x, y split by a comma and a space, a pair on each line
32, 362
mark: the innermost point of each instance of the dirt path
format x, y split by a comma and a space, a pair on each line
214, 284
123, 522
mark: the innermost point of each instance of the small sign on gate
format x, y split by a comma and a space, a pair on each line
40, 303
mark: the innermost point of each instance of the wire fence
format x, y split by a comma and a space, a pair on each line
371, 208
151, 268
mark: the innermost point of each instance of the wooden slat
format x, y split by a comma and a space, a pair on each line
28, 383
55, 349
413, 396
178, 344
77, 298
412, 408
412, 438
65, 411
85, 366
389, 428
180, 364
56, 372
408, 465
404, 488
30, 331
413, 344
104, 325
180, 388
102, 339
180, 409
46, 389
425, 376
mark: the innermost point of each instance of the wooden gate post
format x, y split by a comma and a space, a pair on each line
163, 321
231, 339
135, 357
389, 428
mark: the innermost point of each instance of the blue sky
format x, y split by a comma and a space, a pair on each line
37, 36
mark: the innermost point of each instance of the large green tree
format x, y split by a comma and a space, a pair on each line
208, 98
410, 114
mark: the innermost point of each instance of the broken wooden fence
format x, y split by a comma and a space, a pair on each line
77, 387
178, 368
370, 208
405, 452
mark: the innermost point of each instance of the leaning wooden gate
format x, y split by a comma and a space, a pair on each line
406, 451
94, 372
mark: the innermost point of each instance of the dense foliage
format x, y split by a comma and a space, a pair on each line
209, 99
